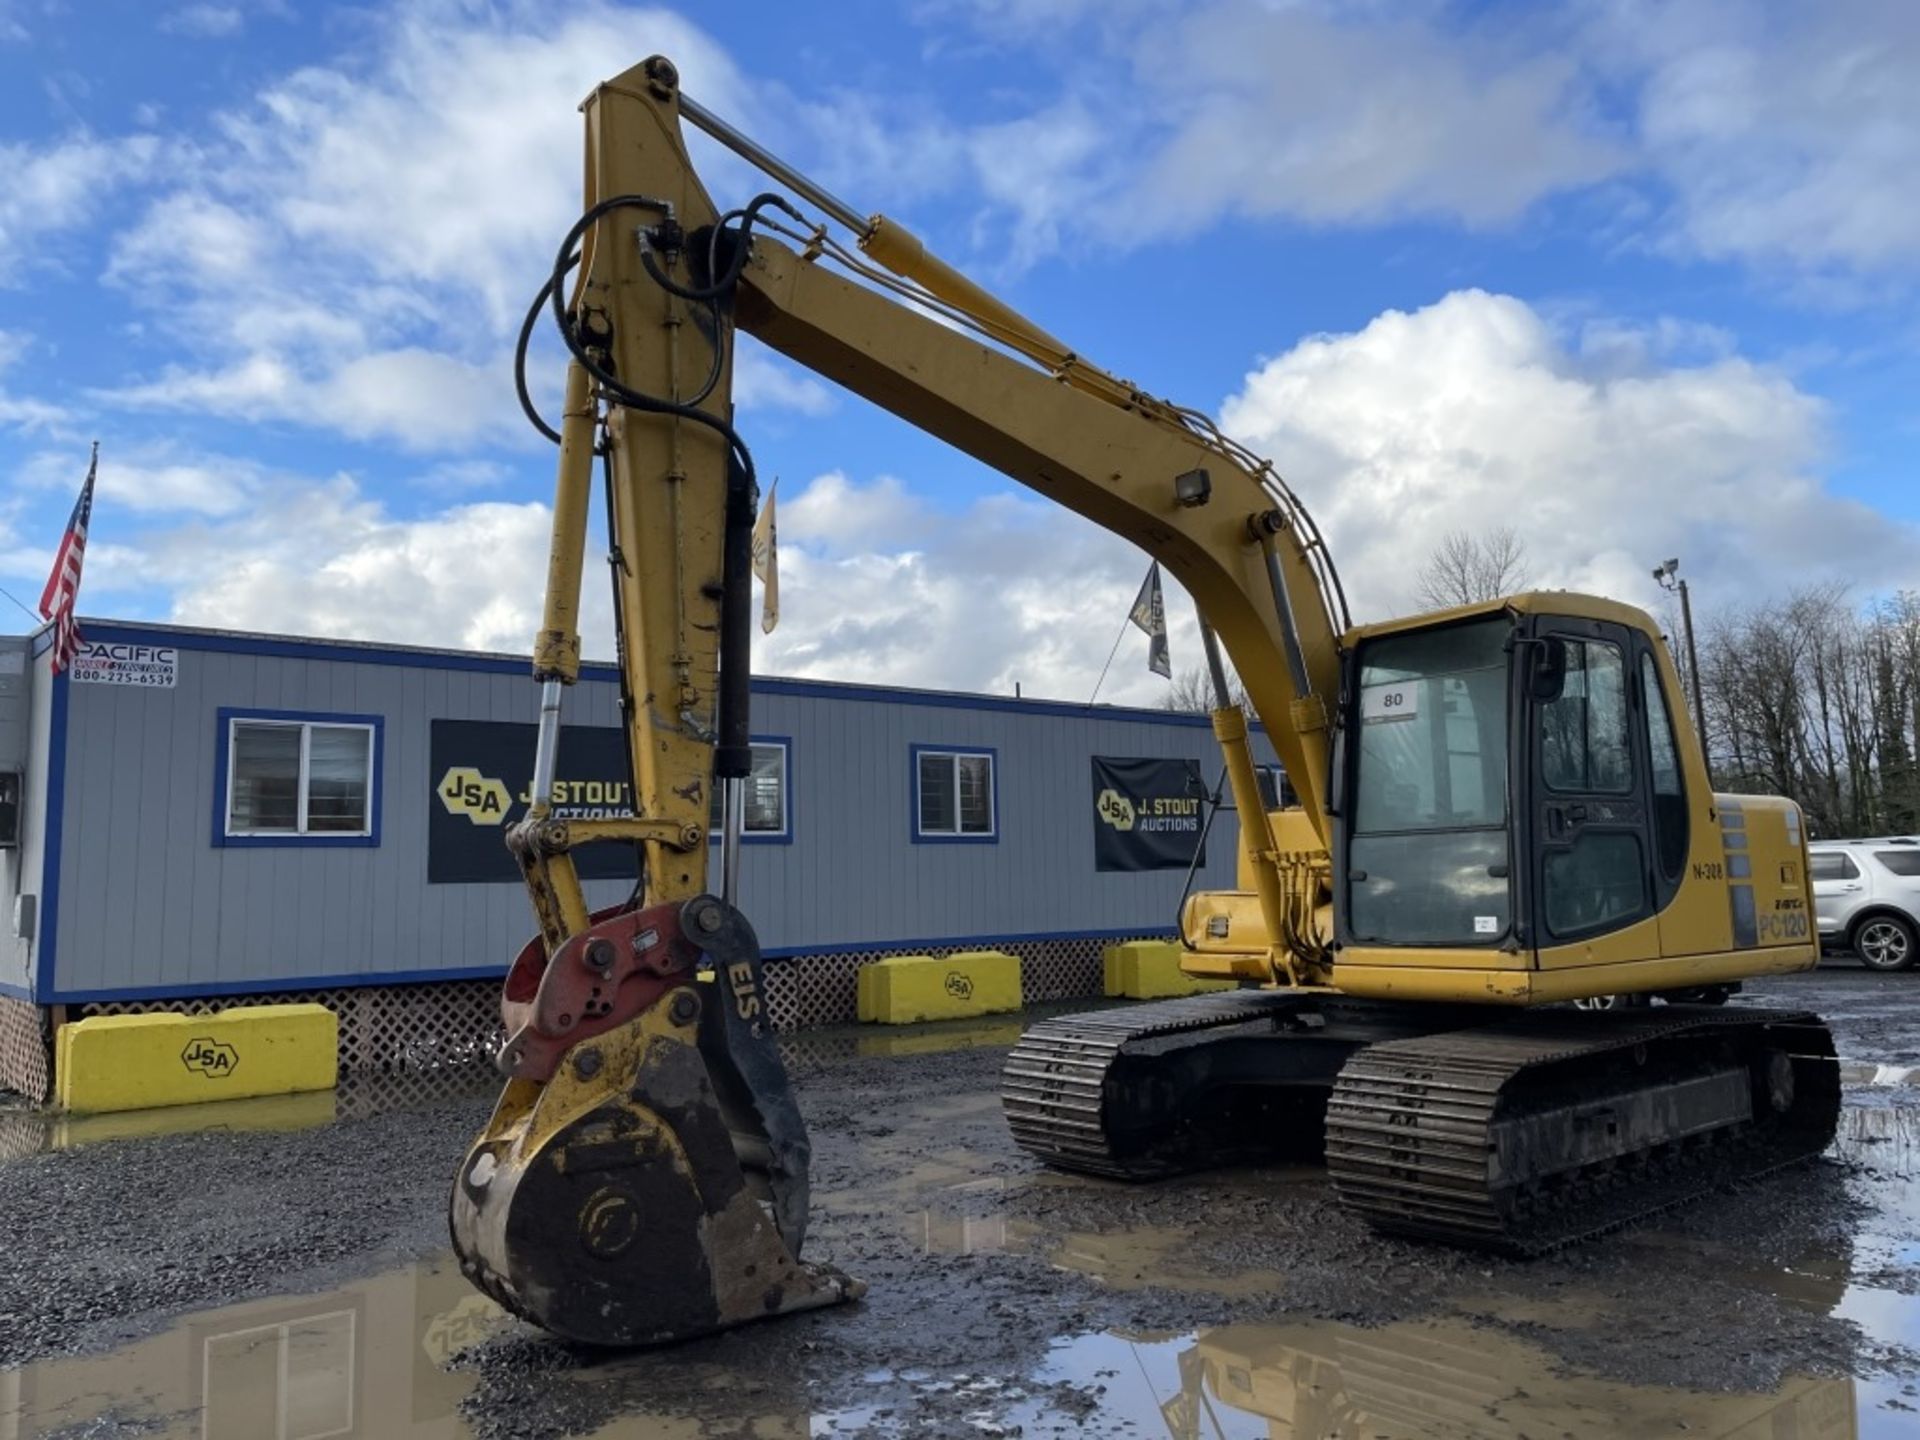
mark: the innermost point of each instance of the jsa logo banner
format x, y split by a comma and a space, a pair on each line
482, 770
1147, 814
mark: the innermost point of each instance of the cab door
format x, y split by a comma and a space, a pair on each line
1593, 858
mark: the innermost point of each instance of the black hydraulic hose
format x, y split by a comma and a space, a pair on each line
527, 406
733, 756
623, 394
721, 284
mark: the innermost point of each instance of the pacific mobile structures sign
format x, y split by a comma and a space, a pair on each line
115, 662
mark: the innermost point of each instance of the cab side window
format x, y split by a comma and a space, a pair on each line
1583, 731
1669, 790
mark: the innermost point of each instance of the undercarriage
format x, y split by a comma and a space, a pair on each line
1519, 1135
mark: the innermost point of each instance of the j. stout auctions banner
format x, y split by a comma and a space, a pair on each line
1146, 814
481, 773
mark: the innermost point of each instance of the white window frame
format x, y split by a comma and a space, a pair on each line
785, 832
305, 727
956, 755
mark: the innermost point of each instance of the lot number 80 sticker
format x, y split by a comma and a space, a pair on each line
1397, 701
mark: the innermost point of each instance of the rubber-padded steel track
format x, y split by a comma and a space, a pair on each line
1054, 1087
1421, 1133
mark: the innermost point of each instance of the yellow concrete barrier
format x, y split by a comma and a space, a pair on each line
141, 1062
1150, 970
910, 988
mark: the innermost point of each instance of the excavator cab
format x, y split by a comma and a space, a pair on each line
1518, 803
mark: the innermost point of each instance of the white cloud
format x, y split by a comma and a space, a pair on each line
55, 187
1320, 114
878, 584
326, 560
1474, 412
1787, 136
401, 270
149, 479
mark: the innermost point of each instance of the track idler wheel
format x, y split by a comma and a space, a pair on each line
653, 1187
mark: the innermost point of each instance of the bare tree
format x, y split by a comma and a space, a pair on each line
1191, 692
1466, 568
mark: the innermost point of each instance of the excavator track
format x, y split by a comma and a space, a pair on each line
1522, 1135
1057, 1092
1535, 1133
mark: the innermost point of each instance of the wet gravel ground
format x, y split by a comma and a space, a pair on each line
977, 1258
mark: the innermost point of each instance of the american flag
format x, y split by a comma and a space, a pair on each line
63, 585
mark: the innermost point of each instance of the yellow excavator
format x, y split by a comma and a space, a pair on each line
1501, 809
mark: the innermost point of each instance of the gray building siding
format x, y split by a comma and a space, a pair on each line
149, 904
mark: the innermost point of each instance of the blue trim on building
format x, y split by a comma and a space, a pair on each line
40, 977
498, 972
15, 992
920, 837
227, 714
768, 837
296, 649
274, 986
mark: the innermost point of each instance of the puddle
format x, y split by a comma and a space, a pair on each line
364, 1361
370, 1361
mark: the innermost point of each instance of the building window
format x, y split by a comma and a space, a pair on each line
765, 815
954, 795
298, 779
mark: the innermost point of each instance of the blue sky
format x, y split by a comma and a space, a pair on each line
1634, 280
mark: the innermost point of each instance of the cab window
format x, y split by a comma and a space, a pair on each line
1583, 730
1663, 759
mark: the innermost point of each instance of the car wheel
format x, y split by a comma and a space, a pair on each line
1884, 942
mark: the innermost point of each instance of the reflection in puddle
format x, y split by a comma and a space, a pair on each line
1440, 1381
364, 1361
370, 1361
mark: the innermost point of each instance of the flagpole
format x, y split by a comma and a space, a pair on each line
1109, 665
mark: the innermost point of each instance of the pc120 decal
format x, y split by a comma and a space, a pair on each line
1147, 814
481, 772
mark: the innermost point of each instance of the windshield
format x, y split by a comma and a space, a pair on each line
1427, 862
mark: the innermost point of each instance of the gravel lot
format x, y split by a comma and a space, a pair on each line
993, 1280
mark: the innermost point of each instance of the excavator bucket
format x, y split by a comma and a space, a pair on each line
644, 1177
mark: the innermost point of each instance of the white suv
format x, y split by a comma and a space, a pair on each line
1866, 897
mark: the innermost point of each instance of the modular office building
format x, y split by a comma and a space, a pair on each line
196, 818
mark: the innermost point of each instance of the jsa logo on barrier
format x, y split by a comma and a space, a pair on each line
213, 1058
481, 798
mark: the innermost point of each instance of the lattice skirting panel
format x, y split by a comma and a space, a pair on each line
820, 989
26, 1050
399, 1042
